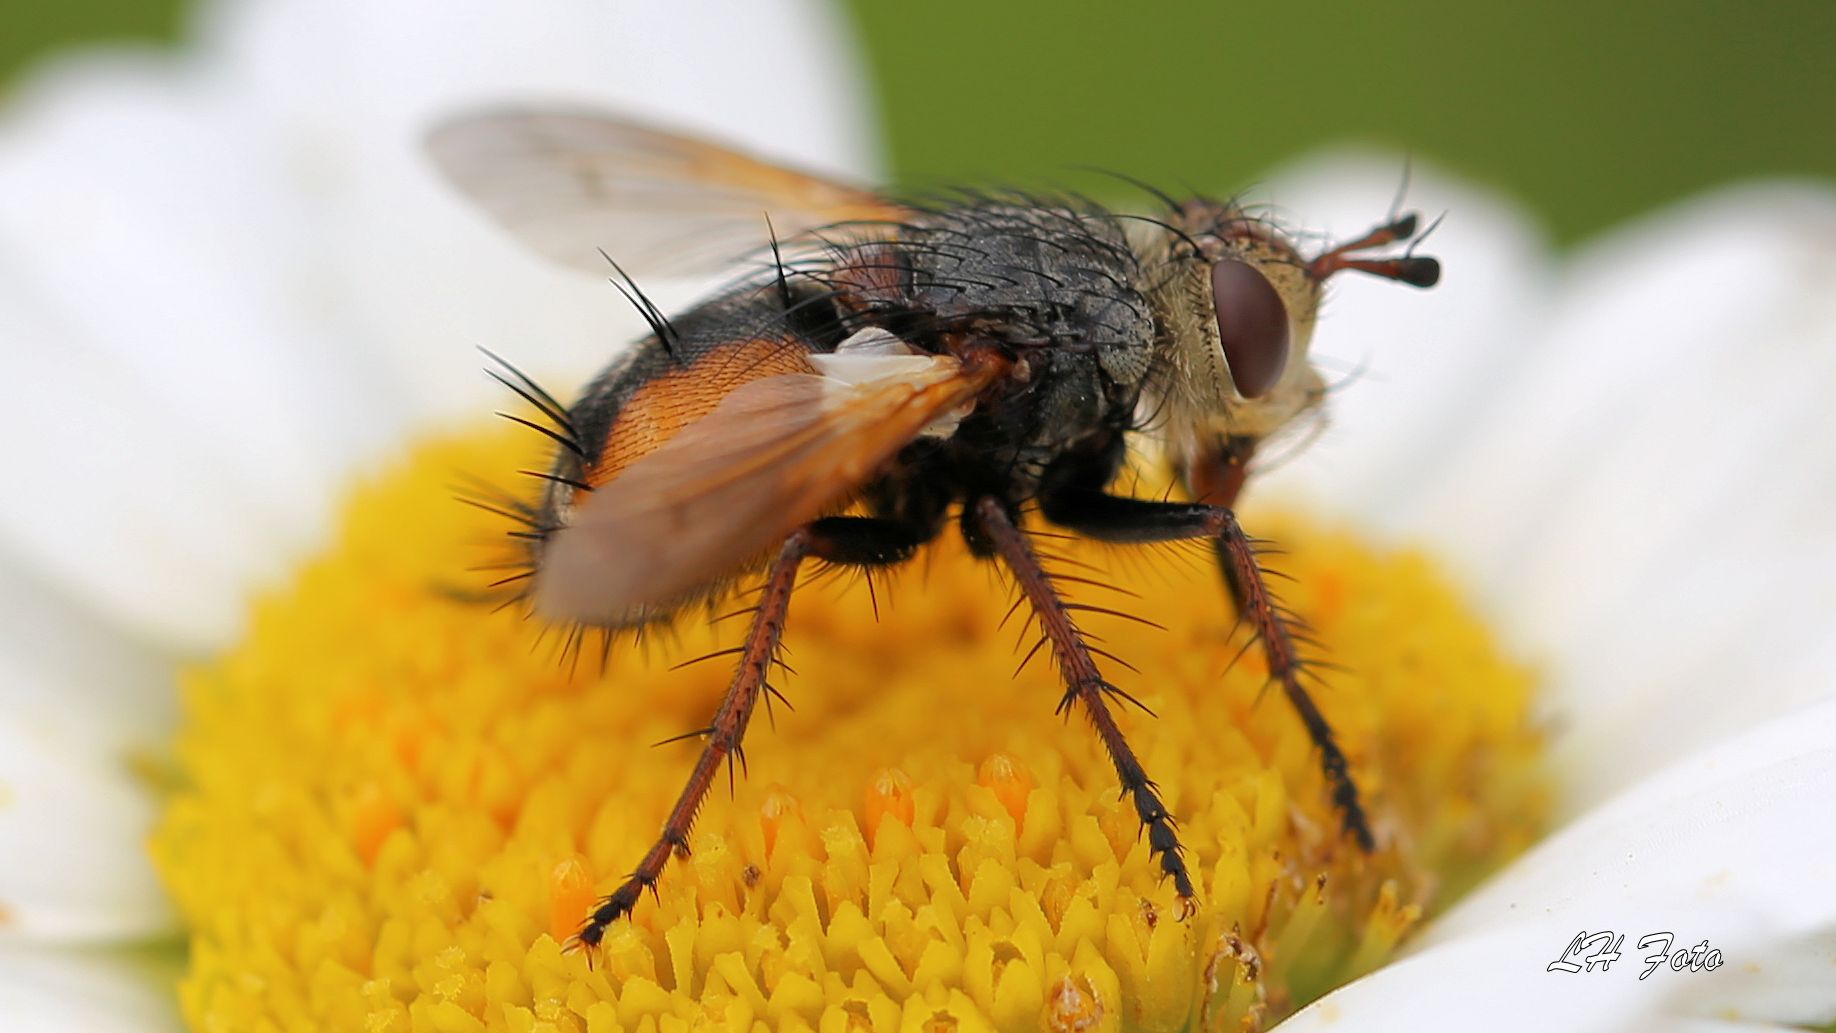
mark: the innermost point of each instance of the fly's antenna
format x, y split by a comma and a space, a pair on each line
659, 323
1414, 270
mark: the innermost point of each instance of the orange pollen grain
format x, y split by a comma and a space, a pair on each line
889, 794
371, 818
1074, 1006
1011, 784
777, 807
570, 897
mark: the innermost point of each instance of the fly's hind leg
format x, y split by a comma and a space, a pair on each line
722, 739
845, 541
1085, 686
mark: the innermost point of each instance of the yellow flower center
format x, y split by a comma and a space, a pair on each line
397, 804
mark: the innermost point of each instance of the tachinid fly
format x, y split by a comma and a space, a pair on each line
893, 368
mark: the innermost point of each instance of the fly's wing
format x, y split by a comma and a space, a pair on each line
775, 454
572, 185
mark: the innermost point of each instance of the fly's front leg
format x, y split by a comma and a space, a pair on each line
1215, 475
1086, 686
1112, 519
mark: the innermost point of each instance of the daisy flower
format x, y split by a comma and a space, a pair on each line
1565, 528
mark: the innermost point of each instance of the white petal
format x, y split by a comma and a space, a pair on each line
78, 699
157, 231
62, 663
1786, 981
1646, 501
73, 826
109, 498
44, 991
1731, 846
1499, 982
176, 426
1743, 823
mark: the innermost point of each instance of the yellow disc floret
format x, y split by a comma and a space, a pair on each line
397, 804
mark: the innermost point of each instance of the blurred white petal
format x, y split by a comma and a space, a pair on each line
117, 497
64, 663
1647, 501
78, 699
141, 220
73, 825
44, 991
182, 429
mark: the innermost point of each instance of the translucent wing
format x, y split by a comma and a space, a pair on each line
571, 184
775, 454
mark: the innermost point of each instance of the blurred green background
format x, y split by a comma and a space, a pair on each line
1590, 111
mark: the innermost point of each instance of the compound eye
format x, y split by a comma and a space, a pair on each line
1252, 325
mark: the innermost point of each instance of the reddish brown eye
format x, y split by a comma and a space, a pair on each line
1252, 325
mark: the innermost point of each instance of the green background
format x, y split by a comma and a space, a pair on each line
1590, 111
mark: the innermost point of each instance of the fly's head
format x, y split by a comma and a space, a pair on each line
1236, 299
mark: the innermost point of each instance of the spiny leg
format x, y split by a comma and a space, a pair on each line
1215, 476
1259, 606
723, 736
1086, 685
1114, 519
845, 541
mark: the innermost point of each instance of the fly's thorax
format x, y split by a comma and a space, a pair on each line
1235, 308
